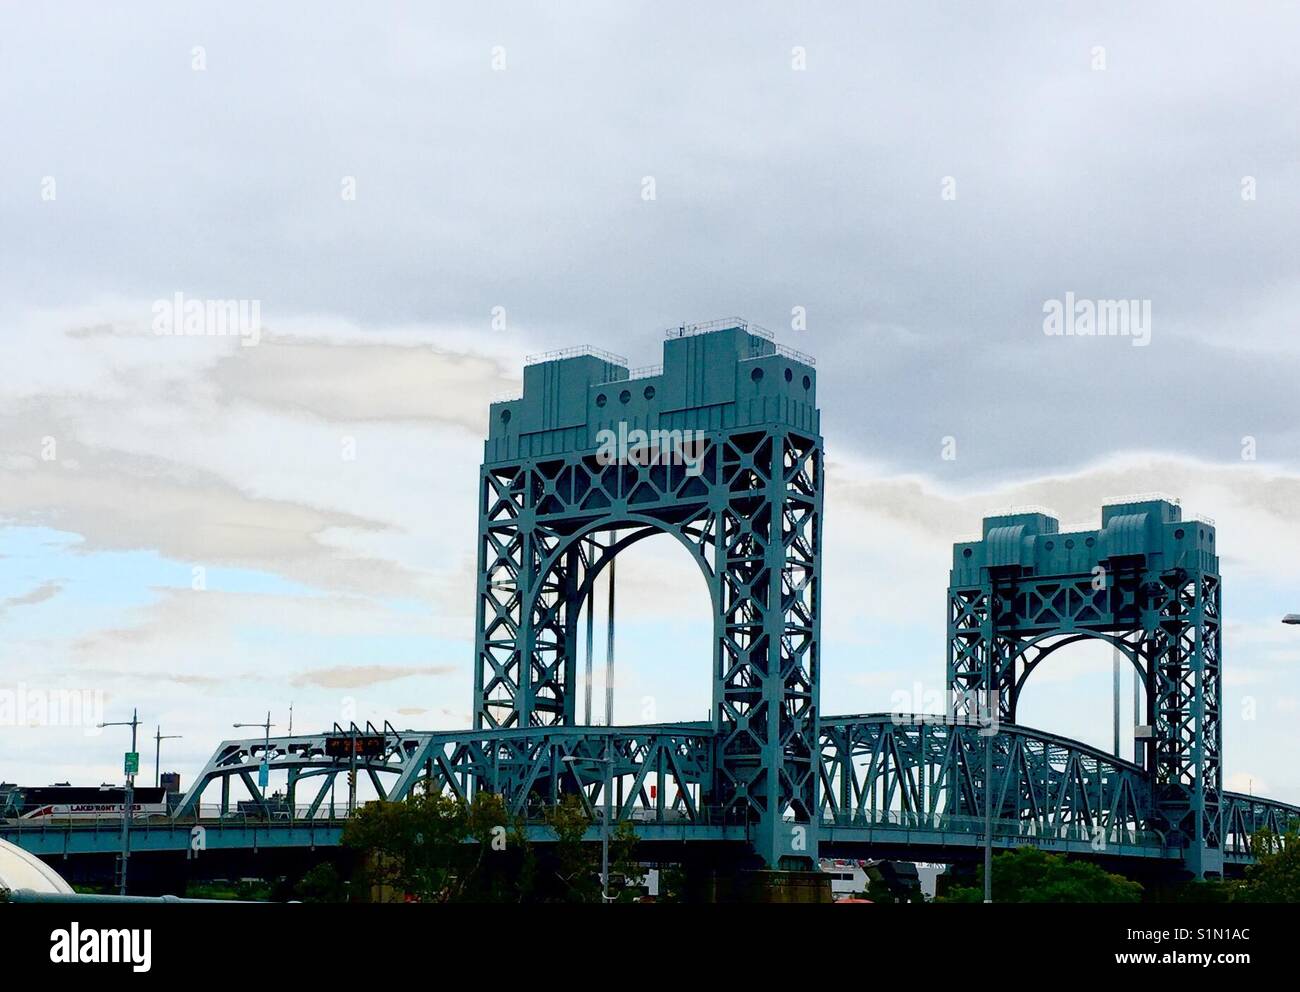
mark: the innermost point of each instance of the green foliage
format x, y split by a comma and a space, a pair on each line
575, 862
625, 873
435, 848
1030, 875
502, 867
413, 846
1275, 876
253, 890
1203, 891
672, 883
245, 889
322, 884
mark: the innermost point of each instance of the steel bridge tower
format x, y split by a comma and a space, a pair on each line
1146, 582
719, 447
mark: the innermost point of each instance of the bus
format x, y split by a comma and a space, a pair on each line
75, 802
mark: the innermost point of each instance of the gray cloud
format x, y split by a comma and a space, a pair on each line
774, 188
353, 382
359, 676
522, 190
39, 594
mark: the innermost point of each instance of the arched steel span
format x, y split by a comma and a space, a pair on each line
906, 779
747, 506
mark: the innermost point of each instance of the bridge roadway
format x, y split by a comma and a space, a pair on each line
897, 785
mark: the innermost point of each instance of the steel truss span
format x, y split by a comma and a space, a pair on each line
883, 777
720, 448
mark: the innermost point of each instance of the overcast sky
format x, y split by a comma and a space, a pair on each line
920, 180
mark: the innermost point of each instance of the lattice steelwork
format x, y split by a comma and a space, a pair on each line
721, 450
743, 496
928, 772
891, 778
1146, 582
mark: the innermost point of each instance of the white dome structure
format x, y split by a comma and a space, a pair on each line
22, 870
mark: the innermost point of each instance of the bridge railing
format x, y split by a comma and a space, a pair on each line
207, 814
1096, 835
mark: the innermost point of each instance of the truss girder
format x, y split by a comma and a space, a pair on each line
1245, 817
667, 768
928, 772
921, 772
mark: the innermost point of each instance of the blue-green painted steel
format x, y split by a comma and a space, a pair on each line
909, 785
1146, 582
767, 770
718, 447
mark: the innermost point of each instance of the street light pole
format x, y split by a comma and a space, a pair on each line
609, 795
266, 749
128, 798
158, 738
988, 799
608, 762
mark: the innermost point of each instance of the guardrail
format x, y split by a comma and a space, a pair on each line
1001, 828
721, 323
579, 351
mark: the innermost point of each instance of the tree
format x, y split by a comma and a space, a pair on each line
673, 881
502, 867
322, 884
1275, 875
433, 847
412, 847
575, 866
1030, 875
625, 873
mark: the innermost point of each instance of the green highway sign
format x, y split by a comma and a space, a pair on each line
132, 762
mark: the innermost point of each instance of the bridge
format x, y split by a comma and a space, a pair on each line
720, 448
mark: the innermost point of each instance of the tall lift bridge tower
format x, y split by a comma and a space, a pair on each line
738, 483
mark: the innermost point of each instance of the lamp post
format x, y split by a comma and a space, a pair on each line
266, 754
608, 762
989, 731
128, 798
158, 738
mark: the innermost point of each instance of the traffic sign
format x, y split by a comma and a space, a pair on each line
132, 763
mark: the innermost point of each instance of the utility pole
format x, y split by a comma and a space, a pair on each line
264, 774
989, 731
606, 826
158, 738
131, 765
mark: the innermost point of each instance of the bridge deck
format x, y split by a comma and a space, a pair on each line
906, 783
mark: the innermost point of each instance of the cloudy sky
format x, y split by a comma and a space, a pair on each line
207, 531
